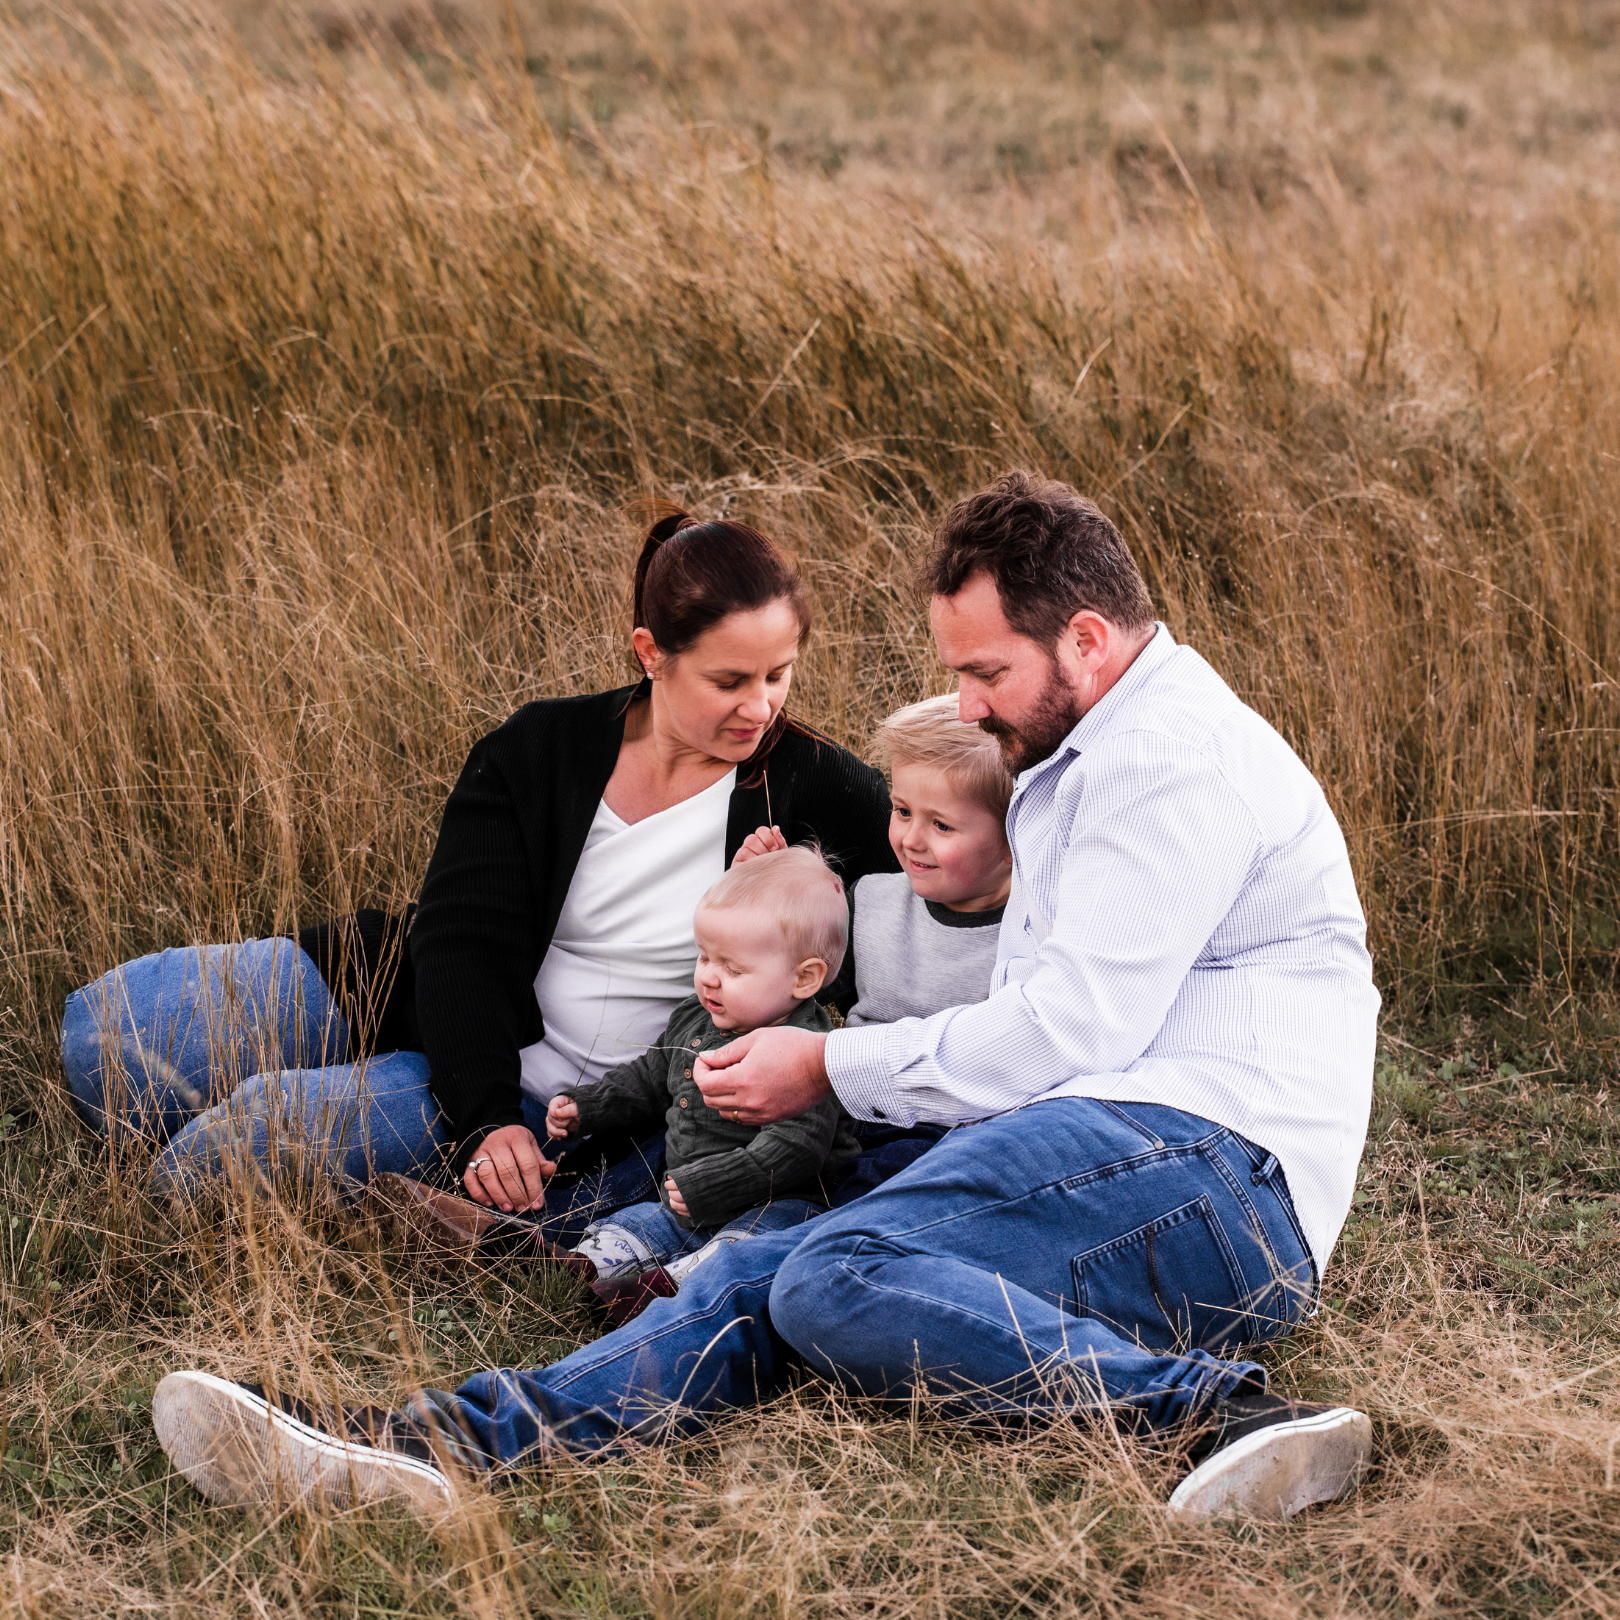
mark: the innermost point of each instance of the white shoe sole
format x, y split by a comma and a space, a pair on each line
1275, 1472
238, 1449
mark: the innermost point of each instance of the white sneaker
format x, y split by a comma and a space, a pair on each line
239, 1449
1266, 1457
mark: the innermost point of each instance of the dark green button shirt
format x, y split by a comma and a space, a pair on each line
721, 1167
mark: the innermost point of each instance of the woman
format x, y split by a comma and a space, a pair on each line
554, 932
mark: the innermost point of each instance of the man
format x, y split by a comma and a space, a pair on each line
1161, 1104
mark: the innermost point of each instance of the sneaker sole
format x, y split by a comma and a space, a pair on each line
1275, 1472
239, 1450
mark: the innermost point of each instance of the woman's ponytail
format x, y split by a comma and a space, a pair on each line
667, 522
690, 575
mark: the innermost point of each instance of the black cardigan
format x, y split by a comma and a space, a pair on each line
513, 830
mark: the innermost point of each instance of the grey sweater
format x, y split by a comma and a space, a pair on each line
914, 957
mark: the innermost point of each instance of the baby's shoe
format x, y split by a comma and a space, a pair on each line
630, 1293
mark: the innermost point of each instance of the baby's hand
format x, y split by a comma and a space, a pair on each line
562, 1116
762, 841
676, 1202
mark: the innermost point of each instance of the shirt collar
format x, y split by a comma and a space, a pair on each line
1155, 652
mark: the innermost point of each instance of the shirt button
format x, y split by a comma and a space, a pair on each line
696, 1044
688, 1074
683, 1102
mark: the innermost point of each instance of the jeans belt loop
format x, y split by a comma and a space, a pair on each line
1266, 1171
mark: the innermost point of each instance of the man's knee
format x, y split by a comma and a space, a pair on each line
811, 1297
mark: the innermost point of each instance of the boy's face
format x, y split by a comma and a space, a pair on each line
745, 977
952, 848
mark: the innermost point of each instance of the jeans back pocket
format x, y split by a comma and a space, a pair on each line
1172, 1284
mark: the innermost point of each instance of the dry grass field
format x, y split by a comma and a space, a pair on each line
334, 345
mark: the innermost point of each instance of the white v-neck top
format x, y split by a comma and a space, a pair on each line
623, 952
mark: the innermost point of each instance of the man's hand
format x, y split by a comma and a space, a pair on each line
676, 1202
765, 1075
507, 1172
761, 841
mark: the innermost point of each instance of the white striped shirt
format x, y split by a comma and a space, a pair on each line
1183, 928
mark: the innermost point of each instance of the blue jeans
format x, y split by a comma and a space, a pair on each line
665, 1239
1073, 1255
228, 1058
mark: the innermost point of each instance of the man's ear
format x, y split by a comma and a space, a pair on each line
809, 977
1091, 635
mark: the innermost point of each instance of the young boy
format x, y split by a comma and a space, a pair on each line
924, 938
769, 934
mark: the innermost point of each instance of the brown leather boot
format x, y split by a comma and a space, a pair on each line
448, 1226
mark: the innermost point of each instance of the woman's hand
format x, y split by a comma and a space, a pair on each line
562, 1117
676, 1202
507, 1172
762, 841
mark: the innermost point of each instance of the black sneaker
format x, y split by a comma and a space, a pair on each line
239, 1447
1267, 1457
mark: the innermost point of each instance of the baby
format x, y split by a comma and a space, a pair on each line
769, 934
923, 939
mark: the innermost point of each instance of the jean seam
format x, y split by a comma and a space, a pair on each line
1262, 1234
1164, 1155
1009, 1335
1153, 1139
1257, 1156
1167, 1222
1285, 1202
678, 1327
984, 1205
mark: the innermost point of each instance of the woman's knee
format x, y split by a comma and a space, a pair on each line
117, 1073
150, 1044
272, 1126
82, 1046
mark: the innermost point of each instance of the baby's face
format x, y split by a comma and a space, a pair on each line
745, 977
952, 848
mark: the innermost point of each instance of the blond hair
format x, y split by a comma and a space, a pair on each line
801, 891
932, 733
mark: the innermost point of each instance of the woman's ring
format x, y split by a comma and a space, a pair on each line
473, 1164
736, 1113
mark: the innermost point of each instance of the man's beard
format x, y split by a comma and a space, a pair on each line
1056, 712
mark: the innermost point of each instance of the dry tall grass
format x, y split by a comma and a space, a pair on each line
331, 349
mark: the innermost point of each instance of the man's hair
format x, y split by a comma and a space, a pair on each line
932, 733
801, 891
1049, 551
